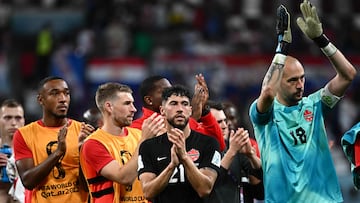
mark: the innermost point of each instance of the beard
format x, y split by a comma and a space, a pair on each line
296, 98
178, 125
60, 116
122, 121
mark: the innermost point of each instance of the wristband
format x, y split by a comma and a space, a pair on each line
329, 49
279, 58
322, 41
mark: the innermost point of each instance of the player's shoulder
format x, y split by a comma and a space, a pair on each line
157, 140
133, 130
29, 126
202, 138
199, 134
73, 121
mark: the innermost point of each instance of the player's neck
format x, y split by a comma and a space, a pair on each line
186, 130
113, 130
58, 122
6, 140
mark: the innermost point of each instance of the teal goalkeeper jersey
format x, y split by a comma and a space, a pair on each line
294, 151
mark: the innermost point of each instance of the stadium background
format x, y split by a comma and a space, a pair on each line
231, 42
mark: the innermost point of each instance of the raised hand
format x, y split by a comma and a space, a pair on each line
174, 158
153, 126
85, 131
201, 95
202, 86
309, 24
247, 149
177, 137
238, 140
61, 148
283, 30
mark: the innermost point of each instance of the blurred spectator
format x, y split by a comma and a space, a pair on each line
215, 17
11, 118
44, 48
117, 38
5, 11
85, 42
232, 115
178, 14
143, 43
4, 77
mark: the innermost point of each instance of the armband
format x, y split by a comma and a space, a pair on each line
328, 98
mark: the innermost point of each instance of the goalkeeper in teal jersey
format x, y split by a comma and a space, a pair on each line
289, 128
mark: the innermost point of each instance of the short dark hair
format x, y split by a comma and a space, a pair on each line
227, 105
178, 90
11, 103
47, 79
148, 85
107, 91
92, 116
215, 105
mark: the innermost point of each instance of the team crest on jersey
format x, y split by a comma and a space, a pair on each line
308, 115
193, 154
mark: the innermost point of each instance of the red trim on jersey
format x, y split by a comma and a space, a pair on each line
21, 151
28, 195
96, 154
146, 113
357, 153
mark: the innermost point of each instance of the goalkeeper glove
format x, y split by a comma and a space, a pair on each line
311, 26
283, 30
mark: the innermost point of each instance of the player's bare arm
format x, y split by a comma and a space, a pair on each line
311, 26
126, 174
152, 185
273, 76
